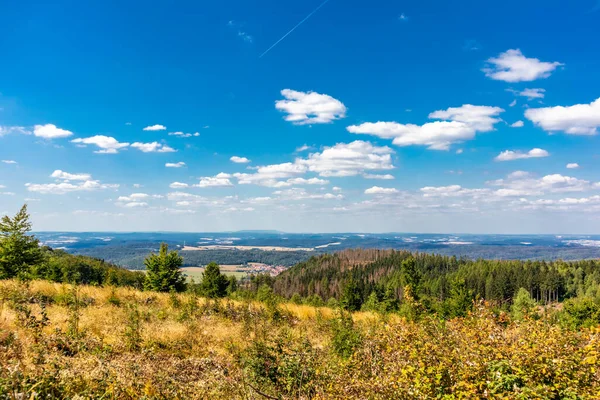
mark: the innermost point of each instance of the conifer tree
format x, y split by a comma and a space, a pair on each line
163, 273
214, 284
18, 250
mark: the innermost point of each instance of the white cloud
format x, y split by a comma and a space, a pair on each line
302, 148
336, 189
579, 119
452, 191
107, 144
178, 185
184, 135
513, 66
459, 151
239, 160
135, 204
378, 176
155, 128
296, 194
310, 181
67, 187
5, 130
220, 180
522, 184
509, 155
310, 107
572, 165
269, 175
9, 162
58, 174
460, 124
349, 159
518, 124
50, 131
133, 197
153, 147
179, 164
513, 103
380, 190
530, 93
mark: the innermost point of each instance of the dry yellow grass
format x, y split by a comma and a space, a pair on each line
131, 344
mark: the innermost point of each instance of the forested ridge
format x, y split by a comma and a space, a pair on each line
438, 282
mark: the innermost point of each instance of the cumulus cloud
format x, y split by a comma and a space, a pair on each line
509, 155
513, 66
349, 159
155, 128
107, 144
579, 119
153, 147
518, 124
572, 165
58, 174
459, 124
380, 190
178, 185
50, 131
269, 175
67, 187
343, 159
239, 160
219, 180
133, 197
523, 184
310, 107
179, 164
310, 181
302, 148
9, 162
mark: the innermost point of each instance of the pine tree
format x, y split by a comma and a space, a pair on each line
214, 284
163, 273
18, 250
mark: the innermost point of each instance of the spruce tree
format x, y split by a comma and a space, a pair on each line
18, 250
163, 273
214, 284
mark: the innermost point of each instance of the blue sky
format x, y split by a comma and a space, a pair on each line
414, 116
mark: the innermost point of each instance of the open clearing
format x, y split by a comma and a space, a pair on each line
195, 273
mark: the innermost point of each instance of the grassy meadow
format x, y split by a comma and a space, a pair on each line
61, 341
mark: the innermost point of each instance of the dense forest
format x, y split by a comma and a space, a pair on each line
132, 255
441, 284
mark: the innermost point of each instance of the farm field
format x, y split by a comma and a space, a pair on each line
195, 273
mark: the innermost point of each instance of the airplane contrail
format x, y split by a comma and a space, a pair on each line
294, 28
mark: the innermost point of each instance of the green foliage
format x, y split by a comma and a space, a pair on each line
214, 285
163, 273
523, 305
345, 337
581, 312
18, 250
133, 328
352, 297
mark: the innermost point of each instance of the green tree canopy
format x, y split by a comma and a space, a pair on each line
214, 284
18, 250
163, 273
